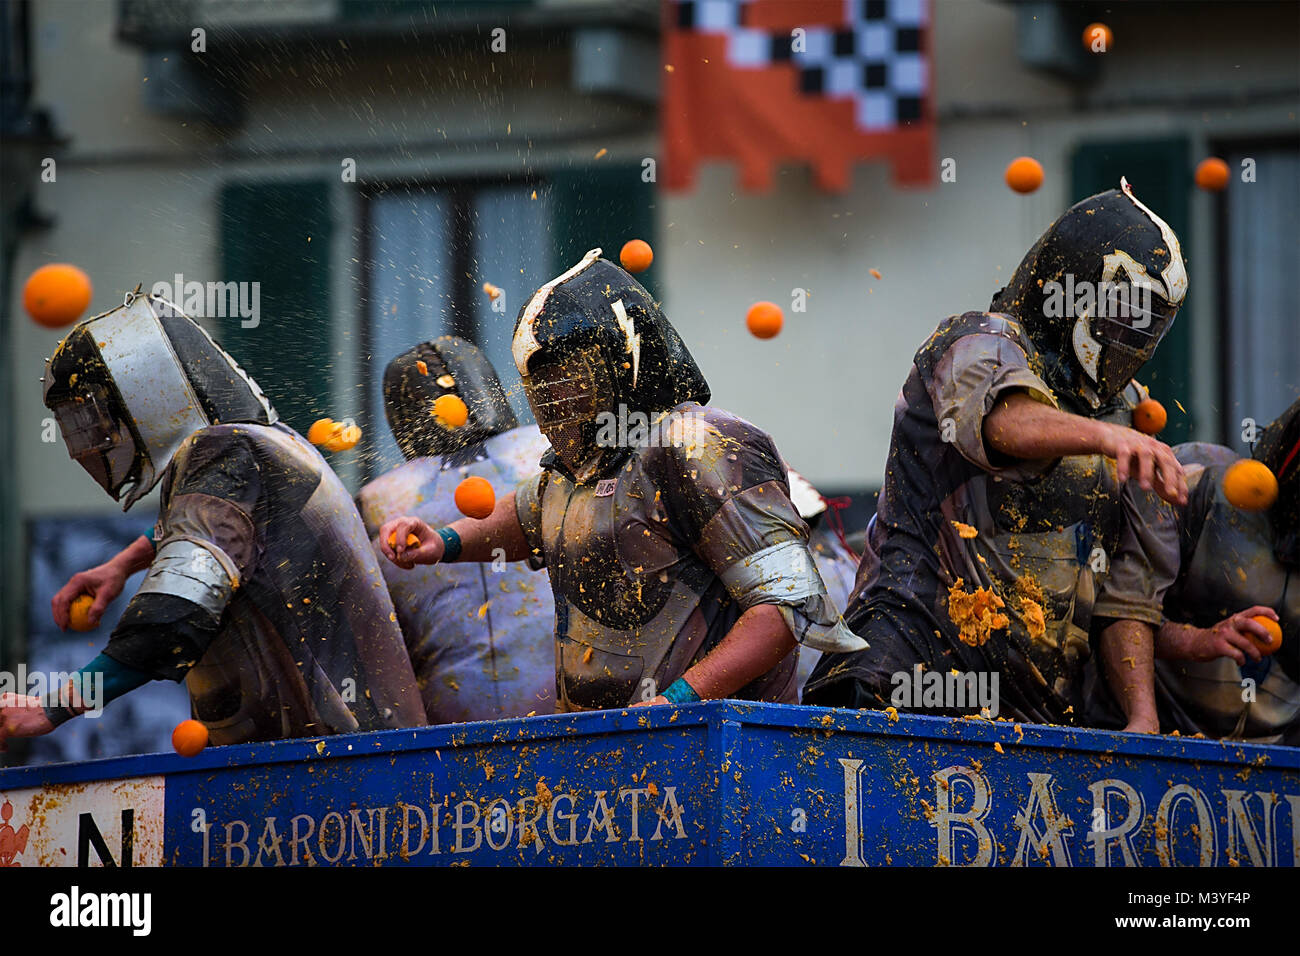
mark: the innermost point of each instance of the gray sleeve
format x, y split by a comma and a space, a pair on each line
1146, 560
967, 382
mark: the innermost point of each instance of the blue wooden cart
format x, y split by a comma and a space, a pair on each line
722, 782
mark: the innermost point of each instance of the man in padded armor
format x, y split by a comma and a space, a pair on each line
479, 635
1233, 565
680, 568
262, 591
1007, 531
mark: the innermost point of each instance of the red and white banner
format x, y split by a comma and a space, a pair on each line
828, 82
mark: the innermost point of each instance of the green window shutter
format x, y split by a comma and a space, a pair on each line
1158, 171
602, 206
278, 235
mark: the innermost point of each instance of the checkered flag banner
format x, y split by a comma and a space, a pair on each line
828, 82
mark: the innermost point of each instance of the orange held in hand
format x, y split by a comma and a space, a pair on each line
56, 295
636, 255
475, 497
450, 410
189, 738
1097, 37
1212, 174
764, 319
1249, 485
79, 613
1024, 174
1149, 417
411, 540
1274, 634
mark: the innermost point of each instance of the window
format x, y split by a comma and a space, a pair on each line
1259, 236
430, 248
430, 252
1159, 172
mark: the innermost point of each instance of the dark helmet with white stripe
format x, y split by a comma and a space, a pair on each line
447, 365
1097, 293
590, 343
130, 385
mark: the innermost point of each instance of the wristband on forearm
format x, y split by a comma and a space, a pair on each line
680, 692
115, 679
450, 544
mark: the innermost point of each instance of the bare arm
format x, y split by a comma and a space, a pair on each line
1231, 637
1128, 659
1020, 427
479, 538
755, 644
103, 583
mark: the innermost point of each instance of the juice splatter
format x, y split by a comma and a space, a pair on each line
975, 613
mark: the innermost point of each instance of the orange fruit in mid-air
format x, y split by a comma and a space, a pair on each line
450, 410
79, 613
56, 295
322, 430
764, 319
411, 540
1149, 416
1097, 37
189, 737
636, 255
344, 438
475, 497
1024, 174
1274, 634
1249, 485
1212, 174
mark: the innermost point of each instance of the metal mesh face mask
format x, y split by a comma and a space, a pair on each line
130, 385
1127, 263
592, 341
1115, 344
567, 397
99, 440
